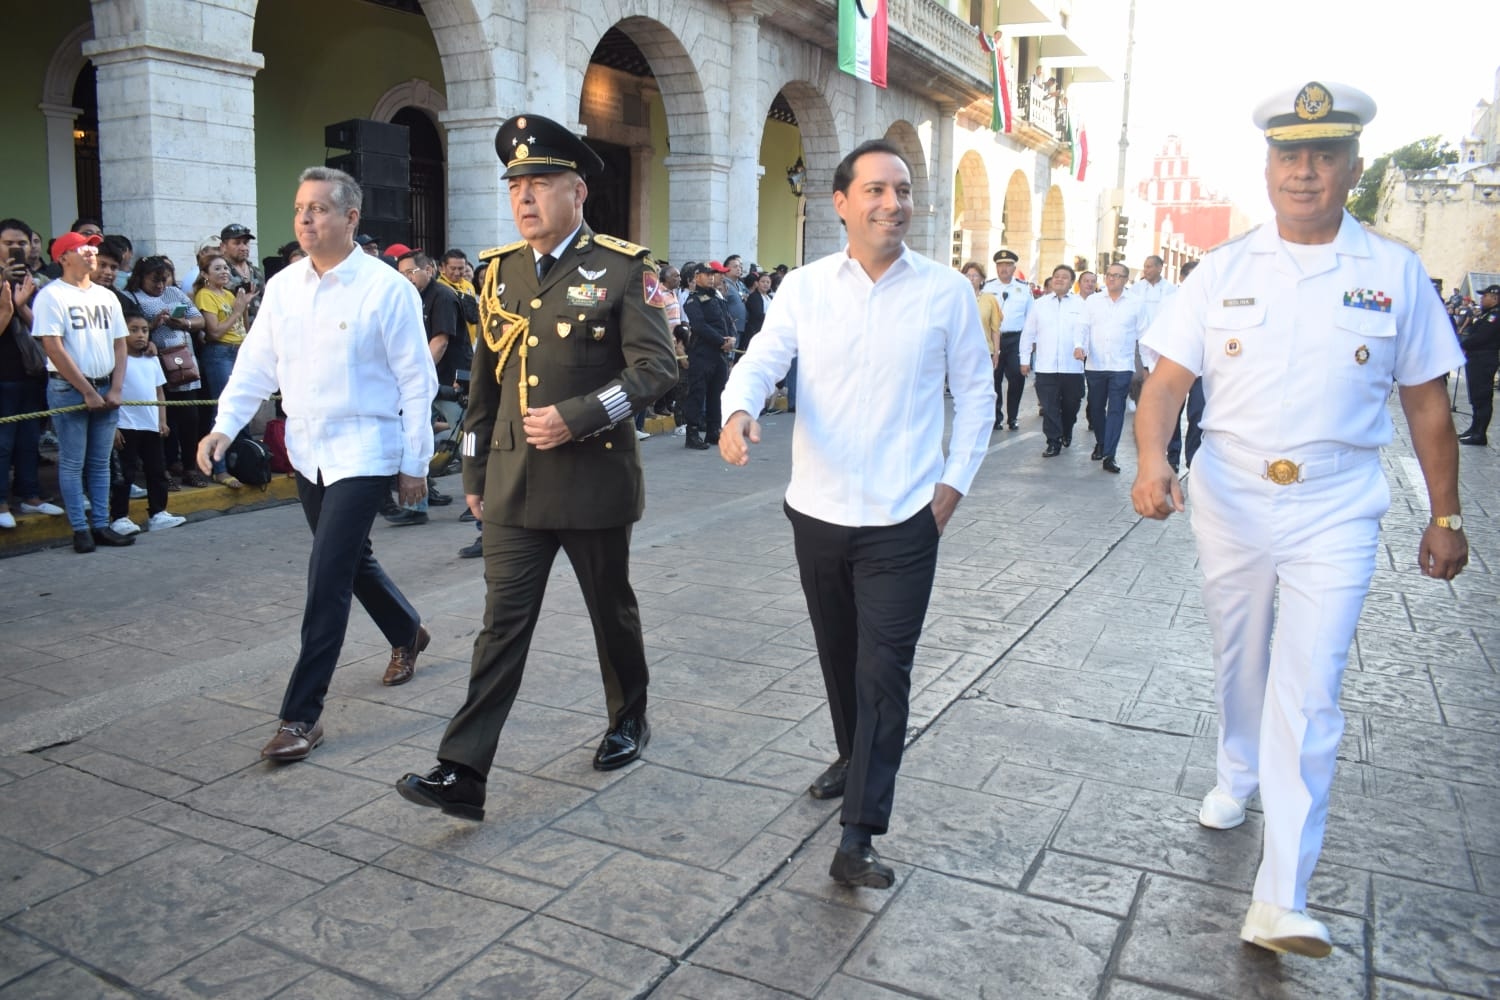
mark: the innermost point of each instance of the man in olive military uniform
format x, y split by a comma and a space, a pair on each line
1480, 339
712, 338
573, 338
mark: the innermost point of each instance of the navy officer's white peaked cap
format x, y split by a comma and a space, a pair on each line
1314, 112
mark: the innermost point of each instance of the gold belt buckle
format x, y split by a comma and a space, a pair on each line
1283, 472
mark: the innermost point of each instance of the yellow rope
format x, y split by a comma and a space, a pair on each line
502, 329
129, 402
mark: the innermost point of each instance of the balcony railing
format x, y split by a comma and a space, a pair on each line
932, 26
1046, 112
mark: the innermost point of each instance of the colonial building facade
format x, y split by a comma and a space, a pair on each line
721, 120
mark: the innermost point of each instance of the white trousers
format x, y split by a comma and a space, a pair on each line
1311, 548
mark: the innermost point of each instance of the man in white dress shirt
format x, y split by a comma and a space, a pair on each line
341, 333
874, 328
1299, 329
1113, 322
1054, 333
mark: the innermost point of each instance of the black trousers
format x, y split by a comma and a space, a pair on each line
1185, 446
517, 562
1480, 374
706, 377
139, 449
867, 591
1060, 394
1009, 370
340, 568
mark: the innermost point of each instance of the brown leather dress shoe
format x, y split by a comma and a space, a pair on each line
404, 659
293, 741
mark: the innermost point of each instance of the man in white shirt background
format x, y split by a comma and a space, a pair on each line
341, 334
871, 490
1151, 291
1054, 333
1015, 303
1113, 322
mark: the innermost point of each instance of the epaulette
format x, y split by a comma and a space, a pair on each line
620, 246
1231, 241
494, 252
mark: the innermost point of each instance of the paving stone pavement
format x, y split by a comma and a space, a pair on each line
1044, 835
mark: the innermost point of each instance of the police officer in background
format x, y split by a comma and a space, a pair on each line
573, 338
712, 340
1480, 338
1298, 329
1015, 304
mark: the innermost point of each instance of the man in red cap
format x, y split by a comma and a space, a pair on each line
81, 327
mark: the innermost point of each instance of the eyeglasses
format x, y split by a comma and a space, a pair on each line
1113, 274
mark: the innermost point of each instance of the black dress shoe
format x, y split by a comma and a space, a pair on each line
1053, 450
436, 498
390, 508
111, 537
1013, 426
467, 516
1110, 466
999, 424
404, 517
622, 744
1097, 453
830, 784
473, 551
1068, 441
83, 541
861, 866
1471, 439
445, 788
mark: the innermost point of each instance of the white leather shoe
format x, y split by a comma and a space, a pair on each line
1293, 931
1220, 810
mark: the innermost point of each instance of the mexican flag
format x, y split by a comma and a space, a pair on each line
1000, 115
1079, 141
862, 39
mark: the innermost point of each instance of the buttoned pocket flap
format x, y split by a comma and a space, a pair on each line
502, 438
1235, 317
1365, 322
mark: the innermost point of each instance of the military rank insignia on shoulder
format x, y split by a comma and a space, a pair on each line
494, 252
620, 246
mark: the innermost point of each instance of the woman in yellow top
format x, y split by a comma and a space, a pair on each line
989, 310
224, 323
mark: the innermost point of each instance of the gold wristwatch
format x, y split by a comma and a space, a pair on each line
1453, 522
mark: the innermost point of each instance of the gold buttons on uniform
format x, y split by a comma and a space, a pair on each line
532, 341
609, 444
343, 326
536, 303
532, 380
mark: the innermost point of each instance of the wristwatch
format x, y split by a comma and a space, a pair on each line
1453, 522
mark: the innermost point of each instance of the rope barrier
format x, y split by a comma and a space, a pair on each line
17, 418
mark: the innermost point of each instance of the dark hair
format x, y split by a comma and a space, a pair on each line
972, 264
283, 252
17, 225
733, 256
455, 254
843, 174
1072, 274
417, 258
121, 245
1186, 269
144, 268
85, 220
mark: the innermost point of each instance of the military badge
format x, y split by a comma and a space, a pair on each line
1232, 347
1361, 355
657, 295
592, 275
597, 332
586, 295
1313, 103
1365, 298
522, 151
564, 328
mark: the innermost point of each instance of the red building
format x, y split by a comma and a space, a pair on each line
1183, 206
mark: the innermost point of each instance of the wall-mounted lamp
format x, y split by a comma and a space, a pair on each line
795, 175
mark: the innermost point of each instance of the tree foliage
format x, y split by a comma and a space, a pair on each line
1423, 154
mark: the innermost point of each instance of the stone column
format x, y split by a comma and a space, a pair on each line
478, 206
746, 124
176, 138
942, 181
700, 205
547, 70
62, 170
866, 122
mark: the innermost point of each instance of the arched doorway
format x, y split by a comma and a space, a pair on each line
783, 194
86, 172
429, 229
971, 211
1016, 222
1053, 246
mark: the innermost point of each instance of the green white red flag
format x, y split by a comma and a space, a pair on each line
1000, 114
862, 39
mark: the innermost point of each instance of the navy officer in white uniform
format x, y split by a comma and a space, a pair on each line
1298, 328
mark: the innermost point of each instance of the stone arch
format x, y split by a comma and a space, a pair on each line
1016, 222
66, 63
904, 136
413, 93
822, 232
59, 113
973, 213
1053, 246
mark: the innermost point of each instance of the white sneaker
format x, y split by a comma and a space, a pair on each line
137, 492
642, 435
1220, 810
41, 508
1278, 929
163, 519
124, 526
7, 520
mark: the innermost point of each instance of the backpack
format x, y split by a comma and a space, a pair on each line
275, 441
249, 461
